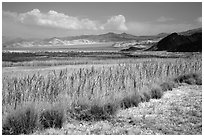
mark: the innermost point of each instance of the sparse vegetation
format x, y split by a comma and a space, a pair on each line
168, 85
192, 79
93, 93
23, 120
156, 92
145, 95
56, 58
52, 118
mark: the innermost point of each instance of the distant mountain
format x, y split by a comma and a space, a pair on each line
110, 37
141, 44
186, 41
75, 40
180, 43
162, 35
88, 39
9, 41
190, 32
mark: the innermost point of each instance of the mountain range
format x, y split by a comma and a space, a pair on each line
179, 43
124, 38
74, 40
186, 41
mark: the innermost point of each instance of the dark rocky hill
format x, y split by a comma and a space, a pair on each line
179, 43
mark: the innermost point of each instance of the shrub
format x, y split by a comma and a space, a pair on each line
156, 92
23, 120
145, 94
167, 86
52, 117
130, 101
93, 111
78, 111
192, 79
98, 112
199, 81
111, 108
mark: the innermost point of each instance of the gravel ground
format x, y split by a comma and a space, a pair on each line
178, 112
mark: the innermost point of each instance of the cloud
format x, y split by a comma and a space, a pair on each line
164, 19
54, 19
13, 16
9, 14
115, 23
144, 28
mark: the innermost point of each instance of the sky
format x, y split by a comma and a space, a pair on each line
60, 19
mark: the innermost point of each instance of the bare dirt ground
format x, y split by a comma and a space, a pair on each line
178, 112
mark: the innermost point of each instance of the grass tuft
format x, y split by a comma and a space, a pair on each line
98, 112
145, 94
52, 117
79, 111
130, 101
93, 111
168, 86
156, 92
111, 108
23, 120
192, 79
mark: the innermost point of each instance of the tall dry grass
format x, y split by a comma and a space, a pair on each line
92, 93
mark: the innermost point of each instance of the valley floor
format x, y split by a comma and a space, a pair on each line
178, 112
